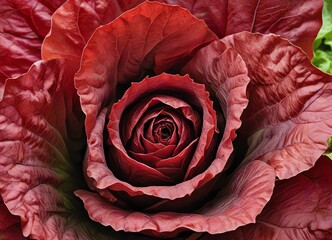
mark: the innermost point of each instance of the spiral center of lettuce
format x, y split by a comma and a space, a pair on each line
159, 131
163, 131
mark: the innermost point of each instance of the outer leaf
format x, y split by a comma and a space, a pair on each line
64, 40
213, 12
152, 37
224, 73
23, 25
245, 196
289, 116
39, 119
75, 21
297, 21
300, 208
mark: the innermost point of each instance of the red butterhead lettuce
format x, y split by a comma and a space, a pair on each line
184, 131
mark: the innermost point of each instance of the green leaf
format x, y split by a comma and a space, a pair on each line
328, 152
323, 60
323, 43
326, 30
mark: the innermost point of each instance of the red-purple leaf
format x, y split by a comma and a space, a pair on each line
239, 204
300, 208
75, 21
297, 21
65, 39
289, 114
152, 37
213, 12
23, 25
224, 74
40, 117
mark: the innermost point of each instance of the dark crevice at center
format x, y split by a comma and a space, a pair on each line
163, 131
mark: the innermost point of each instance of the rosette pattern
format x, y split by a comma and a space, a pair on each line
164, 119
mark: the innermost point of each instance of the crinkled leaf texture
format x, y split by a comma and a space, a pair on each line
238, 204
75, 21
23, 25
298, 21
152, 37
289, 115
300, 208
41, 133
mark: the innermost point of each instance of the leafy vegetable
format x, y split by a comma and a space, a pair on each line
323, 43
